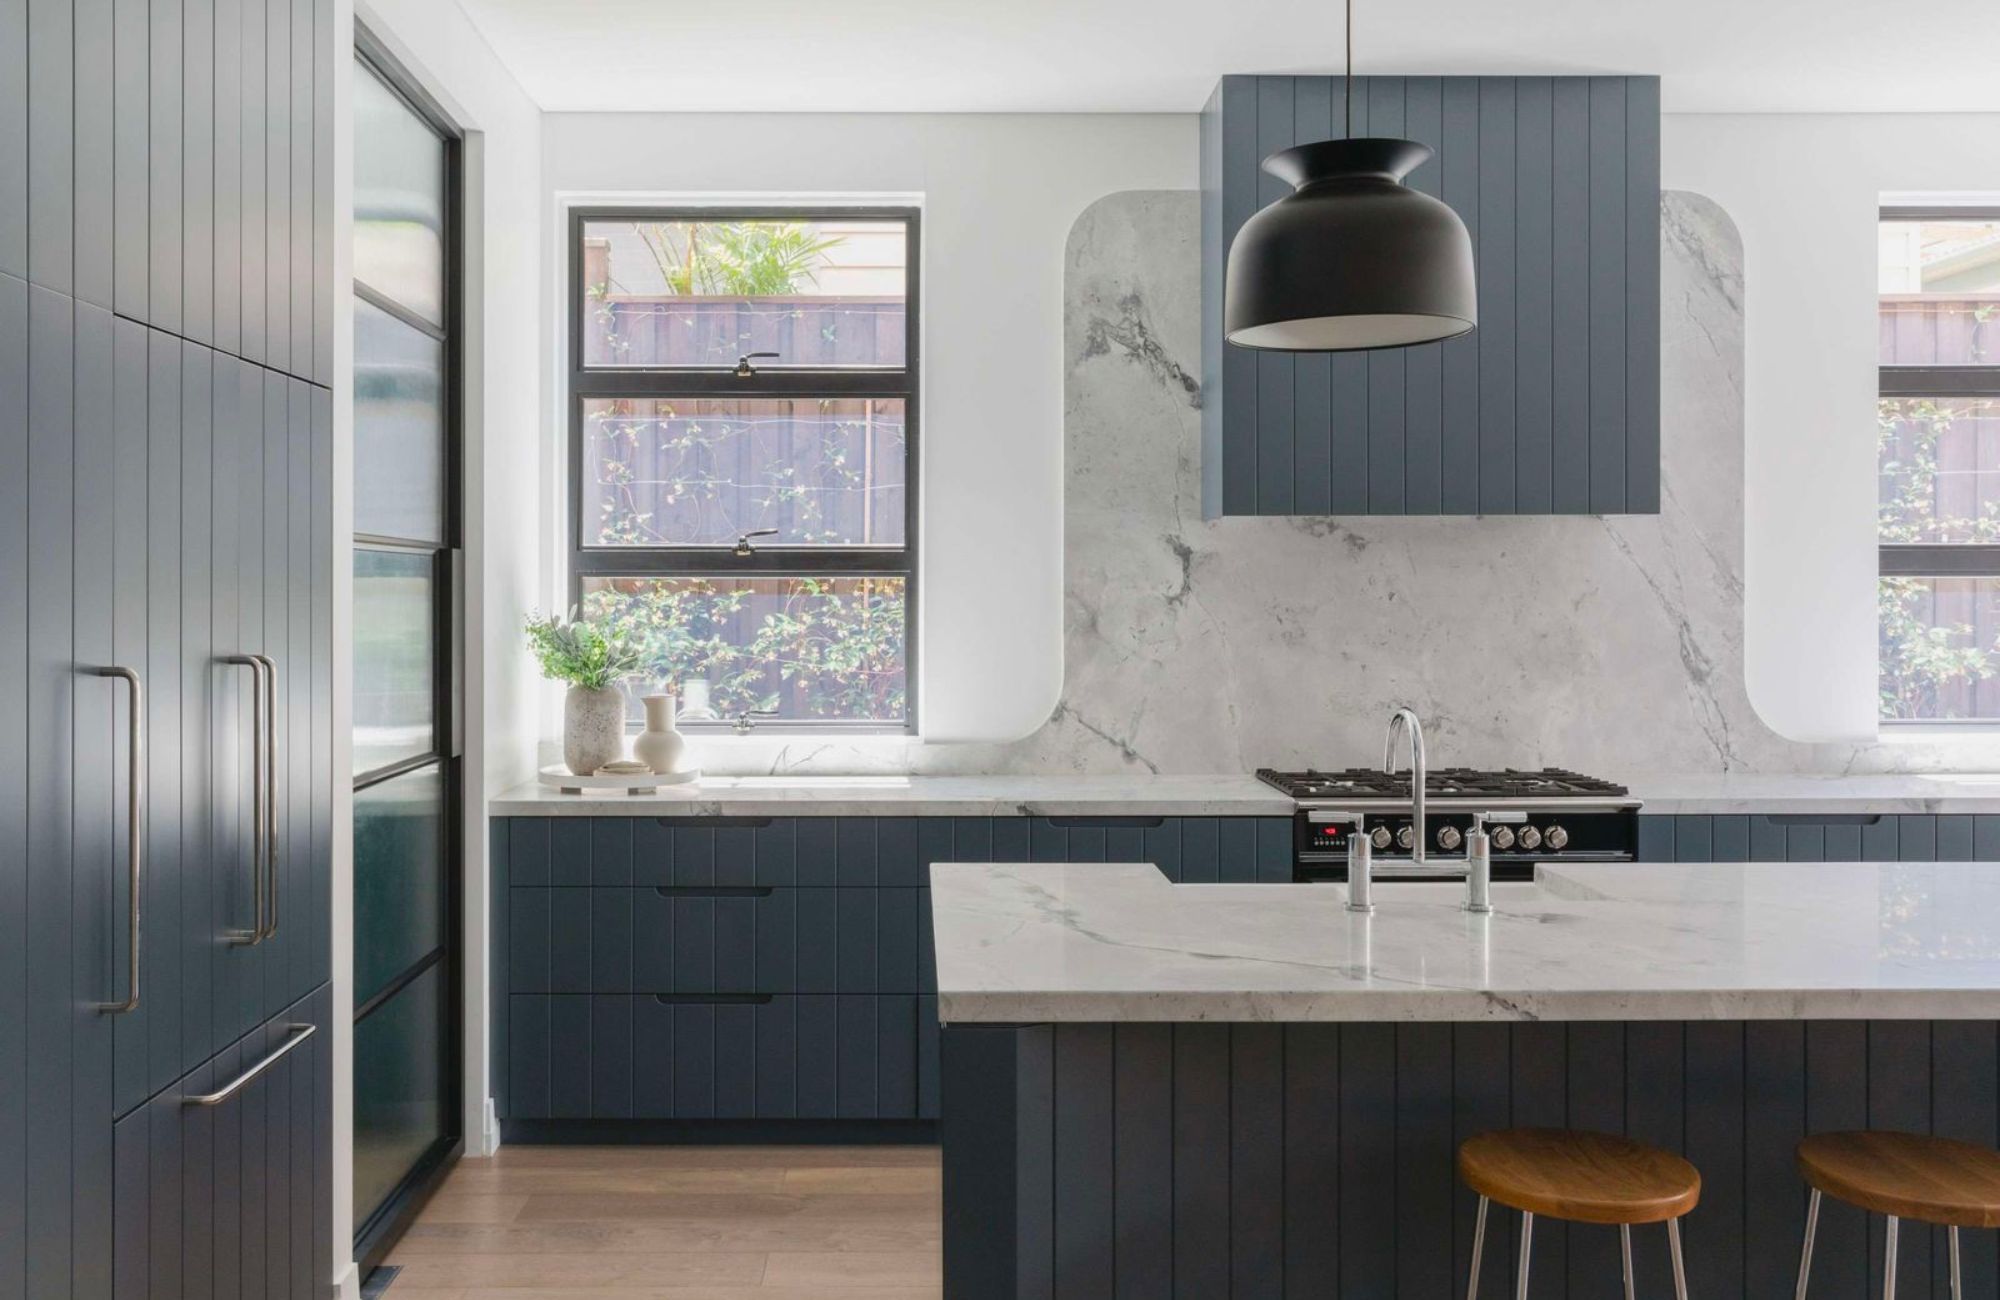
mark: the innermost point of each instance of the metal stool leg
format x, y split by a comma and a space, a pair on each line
1625, 1250
1680, 1269
1889, 1261
1957, 1283
1805, 1255
1478, 1249
1527, 1239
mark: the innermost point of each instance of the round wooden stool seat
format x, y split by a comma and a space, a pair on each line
1909, 1175
1578, 1175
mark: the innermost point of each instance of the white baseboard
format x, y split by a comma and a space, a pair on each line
489, 1134
348, 1285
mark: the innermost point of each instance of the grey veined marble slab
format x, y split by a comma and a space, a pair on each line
1721, 941
905, 796
1807, 794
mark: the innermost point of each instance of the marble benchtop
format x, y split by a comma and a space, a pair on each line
1721, 941
1224, 795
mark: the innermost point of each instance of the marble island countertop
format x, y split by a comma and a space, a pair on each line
1096, 942
1220, 795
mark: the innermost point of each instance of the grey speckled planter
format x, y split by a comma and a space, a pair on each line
593, 728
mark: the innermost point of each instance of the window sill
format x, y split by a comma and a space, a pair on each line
1931, 733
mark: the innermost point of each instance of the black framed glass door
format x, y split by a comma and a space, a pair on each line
407, 693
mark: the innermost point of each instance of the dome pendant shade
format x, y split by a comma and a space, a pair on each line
1354, 259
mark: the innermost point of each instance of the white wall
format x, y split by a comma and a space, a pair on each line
1803, 190
999, 195
503, 338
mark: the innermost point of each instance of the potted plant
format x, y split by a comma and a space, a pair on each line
591, 661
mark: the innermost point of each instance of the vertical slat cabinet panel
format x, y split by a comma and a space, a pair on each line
735, 856
1276, 418
226, 252
183, 500
1312, 1159
895, 1056
928, 1061
1257, 1160
1201, 1171
859, 1077
276, 644
1534, 303
652, 1059
1967, 1053
1608, 307
101, 832
15, 658
1482, 1099
1836, 1074
252, 230
1900, 1099
1496, 260
816, 1041
278, 184
694, 1061
51, 126
225, 688
1642, 295
50, 687
611, 1056
227, 1168
777, 1062
14, 139
1458, 169
1425, 1189
569, 1057
1569, 292
610, 851
569, 851
164, 175
325, 56
198, 171
300, 912
1715, 1078
1085, 1225
300, 241
1552, 405
92, 156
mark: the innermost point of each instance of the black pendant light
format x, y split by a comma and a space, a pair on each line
1354, 259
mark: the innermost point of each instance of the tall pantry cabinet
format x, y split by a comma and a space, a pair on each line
166, 574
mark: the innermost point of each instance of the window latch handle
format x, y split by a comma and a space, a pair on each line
743, 546
742, 725
744, 370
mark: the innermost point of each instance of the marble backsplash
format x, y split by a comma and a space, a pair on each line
1612, 645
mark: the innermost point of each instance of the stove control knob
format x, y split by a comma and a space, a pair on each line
1503, 838
1405, 838
1380, 837
1449, 838
1531, 839
1557, 837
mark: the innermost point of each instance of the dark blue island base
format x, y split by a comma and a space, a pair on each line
1295, 1160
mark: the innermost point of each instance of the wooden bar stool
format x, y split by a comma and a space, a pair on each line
1901, 1176
1580, 1176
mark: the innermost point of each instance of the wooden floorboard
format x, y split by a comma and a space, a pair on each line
667, 1223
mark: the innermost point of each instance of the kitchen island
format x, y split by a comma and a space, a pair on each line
1157, 1089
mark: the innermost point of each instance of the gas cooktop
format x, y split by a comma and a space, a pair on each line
1367, 783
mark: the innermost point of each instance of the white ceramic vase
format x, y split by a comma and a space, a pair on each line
661, 747
593, 728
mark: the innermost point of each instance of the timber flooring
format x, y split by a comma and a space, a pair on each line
673, 1223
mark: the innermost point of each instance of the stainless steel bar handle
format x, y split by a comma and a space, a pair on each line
299, 1035
135, 816
255, 934
271, 835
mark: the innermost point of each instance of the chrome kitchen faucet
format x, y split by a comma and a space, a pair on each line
1478, 859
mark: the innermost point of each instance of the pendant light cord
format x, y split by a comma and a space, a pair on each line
1347, 109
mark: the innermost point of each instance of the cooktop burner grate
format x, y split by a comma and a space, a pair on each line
1442, 783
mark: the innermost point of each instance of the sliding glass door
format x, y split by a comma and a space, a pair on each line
407, 860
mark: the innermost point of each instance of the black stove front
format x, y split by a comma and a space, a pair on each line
1562, 817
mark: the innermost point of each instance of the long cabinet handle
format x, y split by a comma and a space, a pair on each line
271, 832
135, 815
255, 934
299, 1035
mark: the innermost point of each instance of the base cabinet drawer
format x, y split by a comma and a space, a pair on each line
233, 1196
667, 939
745, 1056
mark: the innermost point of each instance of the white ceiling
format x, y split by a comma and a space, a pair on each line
1164, 55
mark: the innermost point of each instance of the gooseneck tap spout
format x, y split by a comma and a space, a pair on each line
1406, 719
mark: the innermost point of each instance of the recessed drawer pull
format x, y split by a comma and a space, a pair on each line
1823, 819
711, 999
715, 823
1106, 823
299, 1035
713, 891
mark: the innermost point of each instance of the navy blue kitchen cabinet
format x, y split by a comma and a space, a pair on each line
166, 493
754, 968
1828, 837
1552, 406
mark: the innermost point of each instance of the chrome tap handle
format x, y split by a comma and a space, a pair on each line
1360, 856
1478, 871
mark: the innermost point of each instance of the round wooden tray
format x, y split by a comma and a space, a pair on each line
568, 782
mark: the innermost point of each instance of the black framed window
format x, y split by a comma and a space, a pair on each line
1938, 463
408, 693
743, 457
